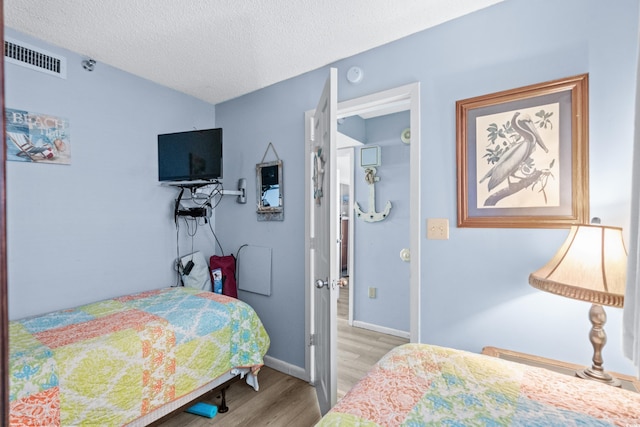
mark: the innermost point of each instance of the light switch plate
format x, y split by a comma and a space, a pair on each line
438, 228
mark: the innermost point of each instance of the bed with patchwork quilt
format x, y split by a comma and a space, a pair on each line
129, 360
425, 385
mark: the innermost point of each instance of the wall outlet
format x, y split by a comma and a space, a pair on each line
438, 228
372, 292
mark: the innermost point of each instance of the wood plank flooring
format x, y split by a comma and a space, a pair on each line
287, 401
358, 349
282, 401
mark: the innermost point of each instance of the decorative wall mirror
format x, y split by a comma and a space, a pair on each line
370, 156
269, 191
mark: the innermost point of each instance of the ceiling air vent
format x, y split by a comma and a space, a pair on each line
20, 53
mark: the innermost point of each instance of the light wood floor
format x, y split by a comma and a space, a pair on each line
282, 401
358, 349
287, 401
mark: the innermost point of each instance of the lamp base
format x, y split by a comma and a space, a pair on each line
600, 376
598, 339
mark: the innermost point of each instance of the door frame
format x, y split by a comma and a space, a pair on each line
349, 152
403, 98
4, 306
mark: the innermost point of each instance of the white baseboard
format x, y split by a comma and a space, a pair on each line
285, 368
381, 329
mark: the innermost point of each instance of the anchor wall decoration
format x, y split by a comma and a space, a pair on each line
372, 216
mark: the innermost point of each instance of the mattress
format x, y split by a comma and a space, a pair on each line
426, 385
115, 361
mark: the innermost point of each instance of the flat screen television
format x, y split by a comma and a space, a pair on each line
190, 156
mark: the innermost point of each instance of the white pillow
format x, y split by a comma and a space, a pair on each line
198, 277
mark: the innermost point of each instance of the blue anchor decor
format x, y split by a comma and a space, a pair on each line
372, 215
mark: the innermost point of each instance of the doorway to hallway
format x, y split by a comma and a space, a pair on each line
322, 242
358, 349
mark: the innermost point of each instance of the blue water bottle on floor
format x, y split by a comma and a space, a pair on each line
203, 409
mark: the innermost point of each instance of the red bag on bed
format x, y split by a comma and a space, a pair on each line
227, 264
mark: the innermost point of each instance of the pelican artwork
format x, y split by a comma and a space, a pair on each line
516, 157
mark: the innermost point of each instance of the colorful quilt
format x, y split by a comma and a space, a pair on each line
424, 385
111, 362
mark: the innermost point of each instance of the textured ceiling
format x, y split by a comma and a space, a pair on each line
217, 50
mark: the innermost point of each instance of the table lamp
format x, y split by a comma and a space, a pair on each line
591, 266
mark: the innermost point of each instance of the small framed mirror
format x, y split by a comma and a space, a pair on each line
370, 156
269, 191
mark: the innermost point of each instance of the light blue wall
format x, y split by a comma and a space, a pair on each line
353, 127
474, 285
377, 247
102, 226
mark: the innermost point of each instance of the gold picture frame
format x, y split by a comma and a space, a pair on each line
522, 156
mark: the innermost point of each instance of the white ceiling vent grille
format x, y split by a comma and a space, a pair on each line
34, 58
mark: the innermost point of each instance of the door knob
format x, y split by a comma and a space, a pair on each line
321, 283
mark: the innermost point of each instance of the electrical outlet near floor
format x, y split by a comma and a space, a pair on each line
438, 228
372, 292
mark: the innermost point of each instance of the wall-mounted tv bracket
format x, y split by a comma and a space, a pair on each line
241, 192
205, 211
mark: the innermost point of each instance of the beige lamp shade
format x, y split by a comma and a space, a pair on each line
590, 266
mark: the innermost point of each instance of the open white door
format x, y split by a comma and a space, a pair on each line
321, 225
324, 242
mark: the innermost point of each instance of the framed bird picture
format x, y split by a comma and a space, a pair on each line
522, 156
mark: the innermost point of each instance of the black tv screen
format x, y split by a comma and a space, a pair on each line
190, 156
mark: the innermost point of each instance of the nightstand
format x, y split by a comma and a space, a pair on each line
628, 382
